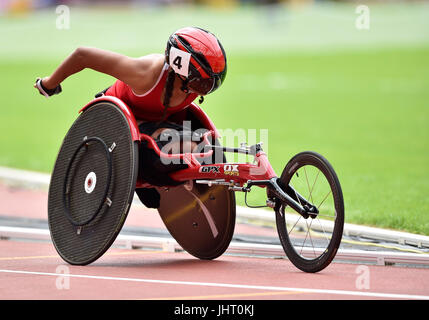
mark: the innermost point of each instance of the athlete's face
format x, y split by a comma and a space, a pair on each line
191, 88
200, 86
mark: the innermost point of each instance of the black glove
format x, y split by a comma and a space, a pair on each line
44, 91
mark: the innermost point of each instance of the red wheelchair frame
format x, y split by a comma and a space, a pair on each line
242, 176
260, 174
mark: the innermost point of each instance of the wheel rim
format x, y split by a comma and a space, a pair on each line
312, 238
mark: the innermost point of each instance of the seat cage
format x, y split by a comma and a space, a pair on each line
233, 173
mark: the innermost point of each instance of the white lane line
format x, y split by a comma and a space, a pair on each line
228, 285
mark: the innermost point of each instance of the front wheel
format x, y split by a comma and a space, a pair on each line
311, 243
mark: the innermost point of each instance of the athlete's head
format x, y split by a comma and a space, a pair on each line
198, 58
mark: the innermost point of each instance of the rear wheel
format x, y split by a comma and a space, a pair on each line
311, 243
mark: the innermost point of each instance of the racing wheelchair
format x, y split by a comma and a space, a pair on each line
96, 174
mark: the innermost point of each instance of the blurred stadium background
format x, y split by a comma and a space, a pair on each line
300, 68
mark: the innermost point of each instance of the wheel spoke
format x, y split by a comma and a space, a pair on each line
330, 191
326, 216
294, 225
323, 230
308, 234
314, 183
311, 239
304, 239
308, 185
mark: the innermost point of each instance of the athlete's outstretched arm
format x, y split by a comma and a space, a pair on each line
126, 69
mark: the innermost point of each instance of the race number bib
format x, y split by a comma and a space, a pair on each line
179, 61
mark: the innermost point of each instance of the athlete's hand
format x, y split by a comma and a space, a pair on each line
45, 91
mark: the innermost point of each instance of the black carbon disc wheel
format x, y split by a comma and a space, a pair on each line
92, 184
199, 217
311, 244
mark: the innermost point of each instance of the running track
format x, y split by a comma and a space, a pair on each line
33, 270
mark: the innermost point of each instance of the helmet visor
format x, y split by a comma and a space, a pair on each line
204, 86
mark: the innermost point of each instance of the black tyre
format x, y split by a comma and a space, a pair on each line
311, 244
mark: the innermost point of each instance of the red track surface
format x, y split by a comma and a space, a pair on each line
33, 270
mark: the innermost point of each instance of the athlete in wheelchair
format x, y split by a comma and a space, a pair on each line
174, 161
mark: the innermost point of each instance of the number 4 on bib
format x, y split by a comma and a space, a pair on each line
179, 61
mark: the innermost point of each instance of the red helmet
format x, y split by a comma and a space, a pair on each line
199, 59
